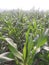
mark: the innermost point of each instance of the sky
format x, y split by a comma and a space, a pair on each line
24, 4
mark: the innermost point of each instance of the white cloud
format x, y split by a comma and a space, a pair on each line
24, 4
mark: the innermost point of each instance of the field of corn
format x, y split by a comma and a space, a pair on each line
24, 37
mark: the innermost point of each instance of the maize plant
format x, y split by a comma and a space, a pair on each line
30, 49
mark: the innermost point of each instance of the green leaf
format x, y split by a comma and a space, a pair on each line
30, 44
41, 40
13, 48
34, 24
5, 57
24, 52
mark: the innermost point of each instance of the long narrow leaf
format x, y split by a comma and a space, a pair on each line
13, 48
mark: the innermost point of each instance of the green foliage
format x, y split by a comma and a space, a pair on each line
27, 57
23, 36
